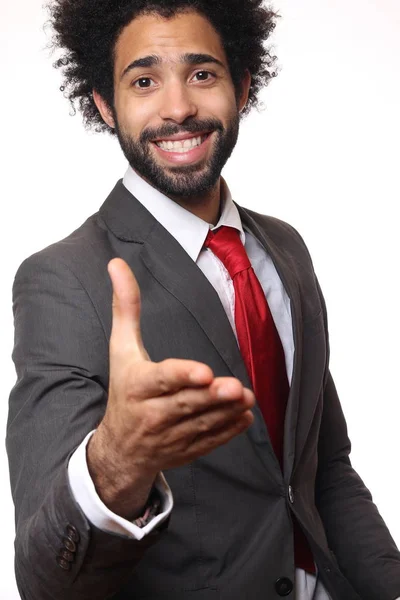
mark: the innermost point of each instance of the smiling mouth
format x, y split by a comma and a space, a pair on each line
182, 146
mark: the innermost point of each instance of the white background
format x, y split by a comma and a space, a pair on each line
323, 155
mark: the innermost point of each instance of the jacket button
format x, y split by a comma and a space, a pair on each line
64, 553
72, 533
283, 586
291, 494
64, 564
69, 544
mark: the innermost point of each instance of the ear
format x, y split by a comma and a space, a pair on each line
104, 109
245, 85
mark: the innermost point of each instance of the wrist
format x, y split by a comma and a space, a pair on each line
123, 488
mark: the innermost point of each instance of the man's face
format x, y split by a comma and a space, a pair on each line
175, 110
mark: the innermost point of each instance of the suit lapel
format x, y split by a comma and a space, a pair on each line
282, 262
173, 268
180, 276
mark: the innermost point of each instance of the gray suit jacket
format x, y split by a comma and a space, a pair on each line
230, 534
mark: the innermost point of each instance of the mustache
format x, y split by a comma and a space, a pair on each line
189, 126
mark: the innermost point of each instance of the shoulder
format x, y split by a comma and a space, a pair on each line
280, 233
77, 256
274, 227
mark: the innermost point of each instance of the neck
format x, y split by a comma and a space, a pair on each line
205, 206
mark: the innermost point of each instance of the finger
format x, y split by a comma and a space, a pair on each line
226, 388
217, 417
126, 336
167, 378
204, 443
189, 402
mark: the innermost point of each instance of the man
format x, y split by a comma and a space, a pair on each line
174, 432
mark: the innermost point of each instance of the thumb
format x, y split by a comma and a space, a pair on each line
126, 336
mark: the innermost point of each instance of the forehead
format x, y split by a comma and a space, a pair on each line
187, 32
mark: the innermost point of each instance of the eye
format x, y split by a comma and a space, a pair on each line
204, 75
143, 83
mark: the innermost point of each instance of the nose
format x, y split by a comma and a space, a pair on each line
177, 103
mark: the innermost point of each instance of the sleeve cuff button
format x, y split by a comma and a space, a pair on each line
69, 544
72, 533
63, 564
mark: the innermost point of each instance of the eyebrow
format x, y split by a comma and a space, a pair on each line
189, 59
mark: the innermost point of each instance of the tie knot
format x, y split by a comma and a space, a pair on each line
226, 244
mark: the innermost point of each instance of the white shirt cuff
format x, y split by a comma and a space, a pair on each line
97, 513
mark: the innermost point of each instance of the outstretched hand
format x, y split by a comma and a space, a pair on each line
158, 415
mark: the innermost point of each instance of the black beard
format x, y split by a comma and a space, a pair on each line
184, 181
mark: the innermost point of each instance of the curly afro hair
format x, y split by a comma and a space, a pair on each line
86, 32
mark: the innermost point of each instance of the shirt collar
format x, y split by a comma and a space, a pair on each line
188, 229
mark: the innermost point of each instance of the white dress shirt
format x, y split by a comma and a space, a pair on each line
191, 231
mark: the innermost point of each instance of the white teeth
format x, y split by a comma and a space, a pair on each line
182, 145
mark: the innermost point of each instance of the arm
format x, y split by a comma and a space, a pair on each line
61, 358
357, 534
147, 418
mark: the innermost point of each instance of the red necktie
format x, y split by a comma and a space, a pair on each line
262, 351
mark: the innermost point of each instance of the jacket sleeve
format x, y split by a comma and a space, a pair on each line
365, 551
61, 359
